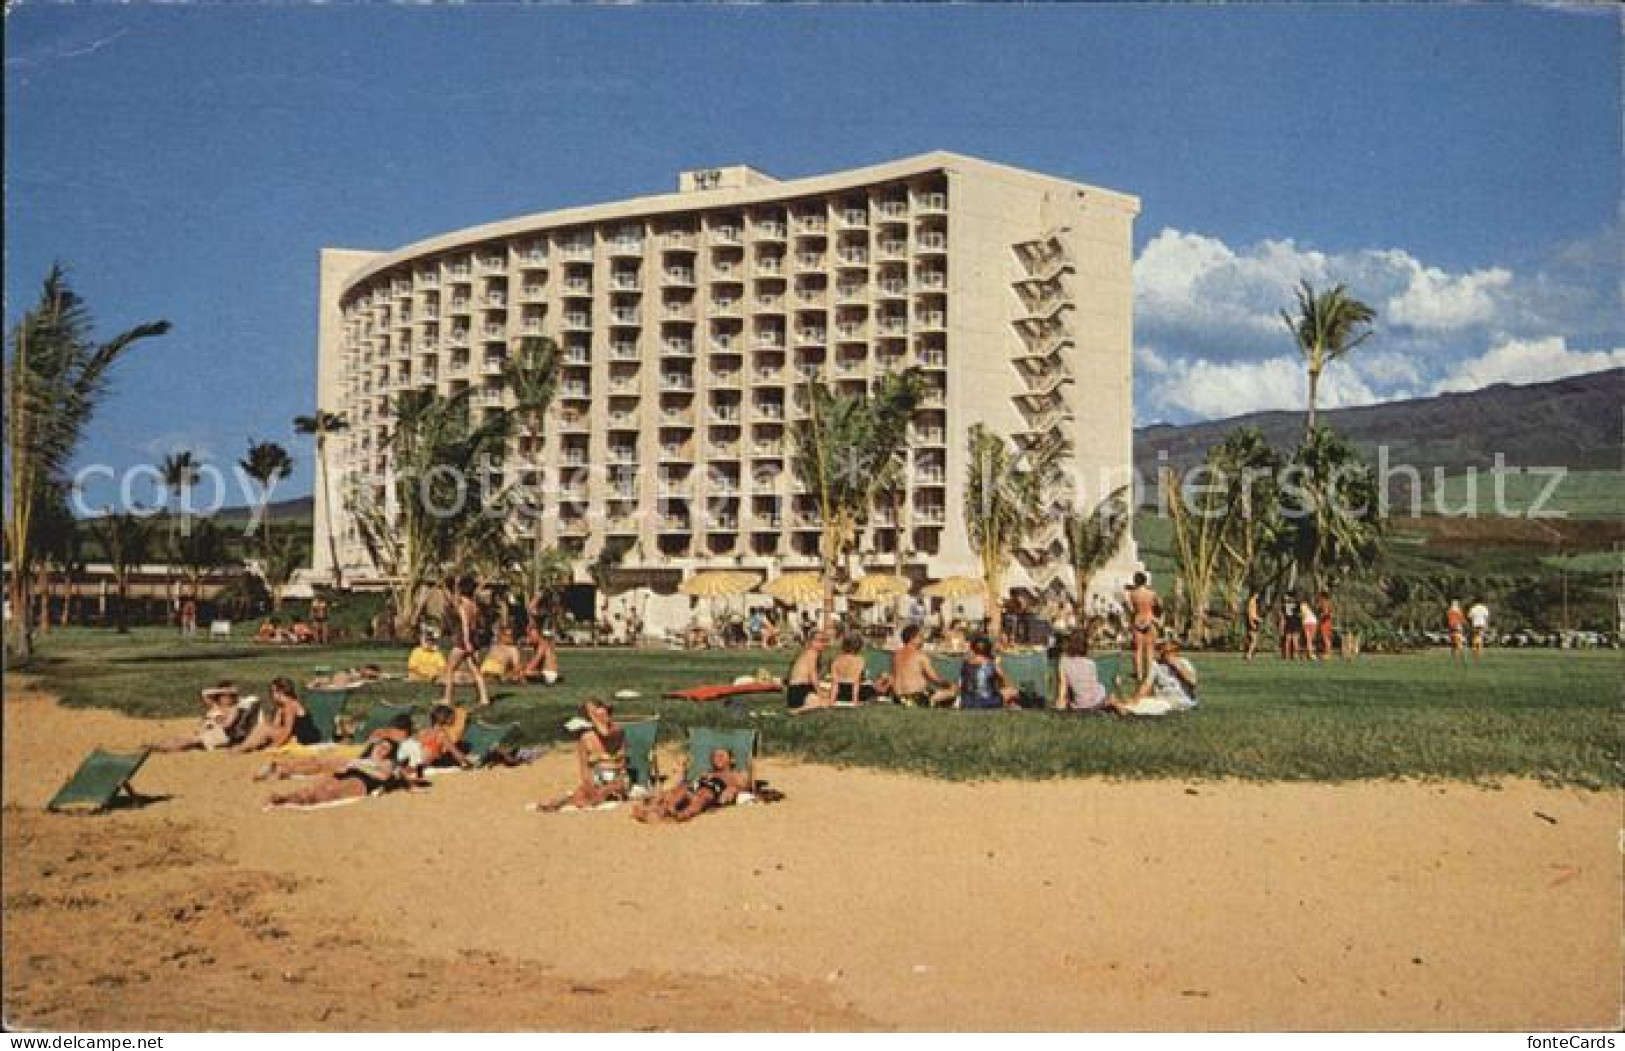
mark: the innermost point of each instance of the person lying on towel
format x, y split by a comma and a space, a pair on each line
376, 771
687, 800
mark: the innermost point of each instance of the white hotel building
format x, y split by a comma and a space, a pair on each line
689, 322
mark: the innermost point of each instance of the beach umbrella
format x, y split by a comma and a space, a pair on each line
955, 588
722, 583
795, 589
877, 587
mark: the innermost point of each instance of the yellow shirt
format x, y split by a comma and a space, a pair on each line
425, 664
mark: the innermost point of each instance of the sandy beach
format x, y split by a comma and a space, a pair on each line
863, 901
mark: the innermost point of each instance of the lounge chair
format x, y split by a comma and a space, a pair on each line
481, 739
640, 751
323, 708
1028, 672
741, 744
99, 780
381, 715
876, 663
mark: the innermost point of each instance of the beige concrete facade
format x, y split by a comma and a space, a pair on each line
689, 322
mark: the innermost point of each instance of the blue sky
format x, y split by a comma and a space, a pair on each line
1457, 165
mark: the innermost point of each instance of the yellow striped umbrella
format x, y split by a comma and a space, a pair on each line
795, 589
877, 587
955, 588
722, 583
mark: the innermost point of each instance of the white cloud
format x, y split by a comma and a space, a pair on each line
1435, 301
1216, 389
1527, 361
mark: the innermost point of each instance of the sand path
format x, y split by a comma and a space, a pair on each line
863, 901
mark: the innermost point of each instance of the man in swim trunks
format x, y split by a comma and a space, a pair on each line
1144, 608
714, 788
914, 680
801, 685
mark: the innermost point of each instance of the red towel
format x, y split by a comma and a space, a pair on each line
715, 693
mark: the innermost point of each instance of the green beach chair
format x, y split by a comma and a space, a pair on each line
1028, 672
322, 707
741, 744
381, 715
876, 663
948, 666
481, 739
640, 751
1110, 669
99, 780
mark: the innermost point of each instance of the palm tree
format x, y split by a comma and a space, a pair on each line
1327, 326
532, 374
126, 537
55, 377
601, 571
1005, 502
267, 463
1332, 527
844, 450
284, 557
200, 552
433, 448
320, 425
1093, 539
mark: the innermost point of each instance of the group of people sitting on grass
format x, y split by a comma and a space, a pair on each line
296, 633
1168, 683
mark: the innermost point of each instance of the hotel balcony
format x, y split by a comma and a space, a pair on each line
677, 346
676, 382
626, 282
931, 202
730, 235
625, 316
577, 322
623, 350
933, 242
533, 292
679, 276
623, 454
576, 250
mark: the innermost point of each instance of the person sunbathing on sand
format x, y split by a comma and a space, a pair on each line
600, 760
398, 731
717, 787
375, 771
281, 720
438, 744
224, 721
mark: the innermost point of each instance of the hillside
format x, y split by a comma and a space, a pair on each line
1573, 423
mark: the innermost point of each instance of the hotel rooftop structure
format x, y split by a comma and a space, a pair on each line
689, 324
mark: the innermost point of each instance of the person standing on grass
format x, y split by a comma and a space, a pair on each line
470, 638
1144, 608
1255, 625
1456, 622
1323, 614
1311, 628
318, 619
1478, 617
1291, 626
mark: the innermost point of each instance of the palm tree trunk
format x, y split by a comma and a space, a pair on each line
1314, 393
327, 514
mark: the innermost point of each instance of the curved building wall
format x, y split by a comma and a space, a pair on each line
688, 323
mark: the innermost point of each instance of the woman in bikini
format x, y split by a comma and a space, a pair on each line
469, 641
375, 771
846, 673
717, 787
601, 761
283, 720
1144, 609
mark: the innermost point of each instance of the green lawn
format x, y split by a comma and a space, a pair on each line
1552, 715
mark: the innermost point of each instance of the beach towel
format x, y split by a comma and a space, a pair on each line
717, 693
